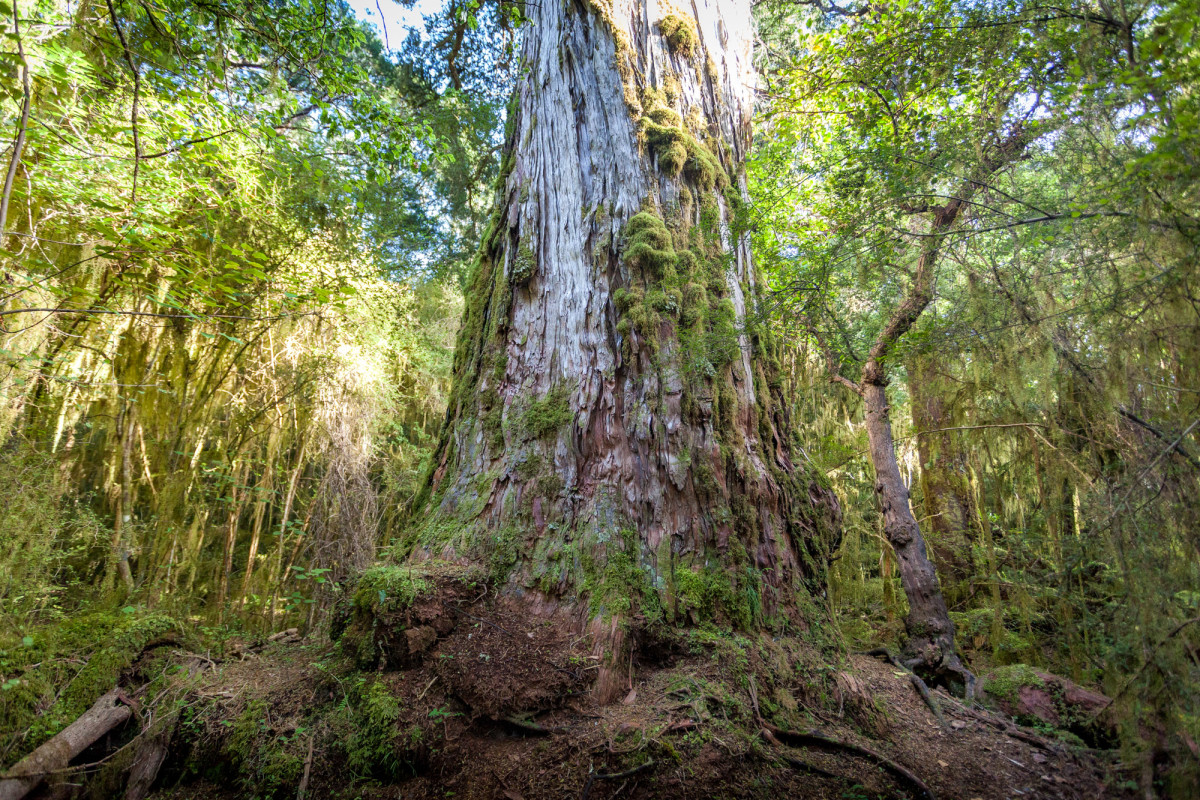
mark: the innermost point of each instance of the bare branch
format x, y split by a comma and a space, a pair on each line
19, 144
137, 88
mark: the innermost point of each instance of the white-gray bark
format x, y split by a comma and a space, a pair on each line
607, 403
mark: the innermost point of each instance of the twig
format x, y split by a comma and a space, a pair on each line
133, 110
754, 698
428, 686
307, 768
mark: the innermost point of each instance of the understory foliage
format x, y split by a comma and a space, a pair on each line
1046, 396
225, 339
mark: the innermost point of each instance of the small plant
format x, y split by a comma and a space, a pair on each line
443, 714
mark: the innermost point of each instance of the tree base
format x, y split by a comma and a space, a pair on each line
505, 701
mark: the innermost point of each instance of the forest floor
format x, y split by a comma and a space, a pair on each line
476, 697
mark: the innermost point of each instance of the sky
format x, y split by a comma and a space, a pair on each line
395, 19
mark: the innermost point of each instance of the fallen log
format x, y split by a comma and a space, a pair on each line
54, 755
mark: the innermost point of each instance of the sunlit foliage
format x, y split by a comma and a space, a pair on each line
1046, 397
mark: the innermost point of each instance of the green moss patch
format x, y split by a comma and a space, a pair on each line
524, 264
51, 691
1006, 682
710, 594
615, 582
371, 750
677, 150
648, 246
546, 415
376, 602
680, 34
386, 589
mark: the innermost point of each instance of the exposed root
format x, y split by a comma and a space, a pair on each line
528, 726
608, 776
796, 738
794, 762
918, 684
1012, 730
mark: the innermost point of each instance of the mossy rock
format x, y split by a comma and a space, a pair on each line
1041, 699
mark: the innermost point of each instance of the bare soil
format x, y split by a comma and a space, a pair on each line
492, 701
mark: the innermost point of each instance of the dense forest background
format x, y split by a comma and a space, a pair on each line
237, 239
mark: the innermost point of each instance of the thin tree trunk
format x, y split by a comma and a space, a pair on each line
22, 127
989, 549
124, 515
264, 492
930, 631
195, 547
231, 530
930, 645
275, 578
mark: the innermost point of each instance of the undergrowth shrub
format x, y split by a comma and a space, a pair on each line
45, 539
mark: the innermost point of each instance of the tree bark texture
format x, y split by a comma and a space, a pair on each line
930, 645
617, 433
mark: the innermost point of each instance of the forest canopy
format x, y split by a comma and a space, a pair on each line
886, 337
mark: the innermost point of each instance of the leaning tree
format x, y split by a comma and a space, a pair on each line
616, 445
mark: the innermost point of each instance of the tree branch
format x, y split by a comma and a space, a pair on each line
833, 362
133, 111
19, 143
944, 218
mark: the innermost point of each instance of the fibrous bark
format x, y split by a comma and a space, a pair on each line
616, 435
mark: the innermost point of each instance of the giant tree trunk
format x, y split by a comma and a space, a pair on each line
616, 441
